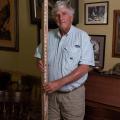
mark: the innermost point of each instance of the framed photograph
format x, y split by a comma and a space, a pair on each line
35, 11
116, 34
96, 13
36, 8
9, 25
98, 42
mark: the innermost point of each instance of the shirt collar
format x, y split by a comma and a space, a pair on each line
69, 32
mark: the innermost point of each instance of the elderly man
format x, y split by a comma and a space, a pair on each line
70, 53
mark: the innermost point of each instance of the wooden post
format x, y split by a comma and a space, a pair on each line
44, 40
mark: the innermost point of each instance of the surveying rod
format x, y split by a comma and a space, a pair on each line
44, 40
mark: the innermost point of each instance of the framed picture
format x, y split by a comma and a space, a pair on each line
116, 34
36, 8
35, 11
96, 13
9, 25
98, 42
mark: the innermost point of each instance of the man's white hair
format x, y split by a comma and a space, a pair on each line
62, 3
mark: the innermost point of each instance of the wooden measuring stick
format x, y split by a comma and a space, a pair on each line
44, 21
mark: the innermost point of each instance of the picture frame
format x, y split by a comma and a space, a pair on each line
9, 27
96, 13
116, 34
98, 42
36, 8
35, 11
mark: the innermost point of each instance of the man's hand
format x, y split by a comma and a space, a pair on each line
40, 65
52, 86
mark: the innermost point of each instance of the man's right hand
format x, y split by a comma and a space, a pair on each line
40, 65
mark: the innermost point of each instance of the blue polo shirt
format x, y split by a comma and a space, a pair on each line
66, 53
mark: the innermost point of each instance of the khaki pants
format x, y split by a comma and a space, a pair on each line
67, 106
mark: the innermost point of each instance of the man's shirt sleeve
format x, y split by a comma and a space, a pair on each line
87, 51
38, 52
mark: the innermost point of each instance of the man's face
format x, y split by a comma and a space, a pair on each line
63, 19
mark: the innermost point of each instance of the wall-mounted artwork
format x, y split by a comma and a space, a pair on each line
98, 42
116, 34
96, 13
9, 25
36, 8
